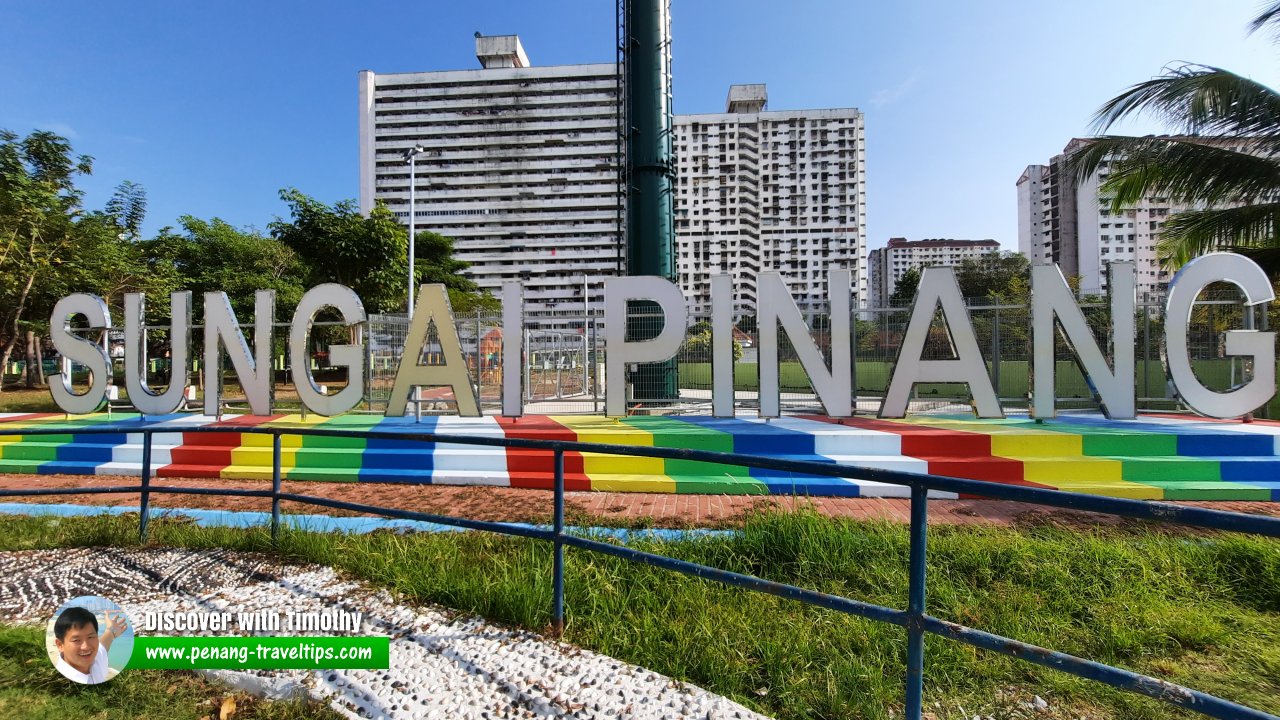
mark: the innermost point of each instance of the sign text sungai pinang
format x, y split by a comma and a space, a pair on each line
1053, 307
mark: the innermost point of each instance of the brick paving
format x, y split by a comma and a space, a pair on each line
516, 505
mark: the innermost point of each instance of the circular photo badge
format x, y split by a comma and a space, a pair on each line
89, 639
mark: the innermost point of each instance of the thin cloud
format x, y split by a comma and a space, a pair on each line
61, 128
892, 95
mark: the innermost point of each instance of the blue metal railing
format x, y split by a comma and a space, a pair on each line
915, 619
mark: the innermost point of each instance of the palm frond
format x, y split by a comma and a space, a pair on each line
1252, 230
1188, 171
1086, 159
1270, 14
1199, 100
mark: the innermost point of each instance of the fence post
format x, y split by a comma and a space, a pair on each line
144, 509
275, 489
1146, 347
1263, 309
915, 603
995, 350
557, 578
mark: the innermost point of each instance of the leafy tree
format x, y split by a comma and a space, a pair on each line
994, 275
905, 290
212, 255
39, 204
127, 207
1236, 185
338, 244
697, 344
100, 259
434, 262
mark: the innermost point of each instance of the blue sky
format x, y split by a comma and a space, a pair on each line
213, 107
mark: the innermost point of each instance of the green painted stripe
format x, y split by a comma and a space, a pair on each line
20, 466
325, 458
670, 433
1129, 444
1103, 441
44, 450
1174, 490
326, 474
1172, 469
710, 485
343, 422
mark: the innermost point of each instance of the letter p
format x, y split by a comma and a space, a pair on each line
618, 350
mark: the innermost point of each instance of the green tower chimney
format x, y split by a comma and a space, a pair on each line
650, 174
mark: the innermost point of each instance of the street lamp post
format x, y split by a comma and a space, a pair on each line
411, 155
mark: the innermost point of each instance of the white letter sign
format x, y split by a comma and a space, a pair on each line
1259, 346
938, 288
618, 291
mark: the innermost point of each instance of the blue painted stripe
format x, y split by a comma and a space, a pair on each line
329, 523
1250, 470
1205, 444
823, 487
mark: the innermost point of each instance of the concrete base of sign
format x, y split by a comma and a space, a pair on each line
1155, 457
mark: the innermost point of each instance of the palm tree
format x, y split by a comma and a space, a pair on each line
1224, 159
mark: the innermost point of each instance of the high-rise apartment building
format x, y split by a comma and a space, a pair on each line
522, 163
1065, 220
770, 190
888, 263
521, 166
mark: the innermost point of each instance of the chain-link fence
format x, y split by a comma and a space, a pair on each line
564, 360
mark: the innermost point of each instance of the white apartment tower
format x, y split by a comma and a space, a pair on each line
890, 262
1064, 220
521, 167
769, 190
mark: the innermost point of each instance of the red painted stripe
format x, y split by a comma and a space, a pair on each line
30, 416
536, 468
185, 470
951, 453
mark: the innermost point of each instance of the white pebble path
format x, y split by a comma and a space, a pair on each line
443, 665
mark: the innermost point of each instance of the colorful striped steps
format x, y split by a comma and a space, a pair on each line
1154, 457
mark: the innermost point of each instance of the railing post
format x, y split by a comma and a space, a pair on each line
557, 578
995, 350
144, 509
915, 603
275, 489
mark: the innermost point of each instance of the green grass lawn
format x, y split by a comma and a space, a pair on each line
1196, 609
31, 689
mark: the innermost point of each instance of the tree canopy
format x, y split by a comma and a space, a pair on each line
212, 255
338, 244
1224, 160
51, 246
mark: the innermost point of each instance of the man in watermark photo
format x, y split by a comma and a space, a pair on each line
82, 650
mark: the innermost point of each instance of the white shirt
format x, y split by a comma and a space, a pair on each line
97, 672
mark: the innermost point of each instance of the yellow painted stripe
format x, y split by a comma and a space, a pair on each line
254, 440
605, 430
638, 471
600, 464
633, 483
1058, 469
246, 472
1134, 491
243, 458
1036, 445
